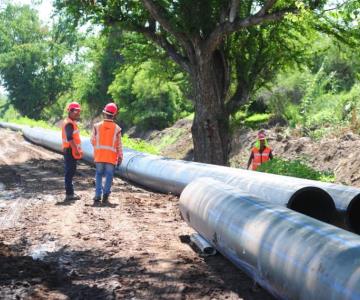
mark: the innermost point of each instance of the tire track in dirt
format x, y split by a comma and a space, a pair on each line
14, 209
16, 162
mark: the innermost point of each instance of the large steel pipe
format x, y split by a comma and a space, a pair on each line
291, 255
11, 126
171, 176
346, 198
168, 175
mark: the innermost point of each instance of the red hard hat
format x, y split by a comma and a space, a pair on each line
73, 106
110, 108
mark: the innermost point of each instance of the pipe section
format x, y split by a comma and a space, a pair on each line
11, 126
346, 198
171, 176
203, 245
289, 254
168, 175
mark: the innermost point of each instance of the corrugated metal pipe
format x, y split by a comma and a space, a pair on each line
289, 254
346, 198
171, 176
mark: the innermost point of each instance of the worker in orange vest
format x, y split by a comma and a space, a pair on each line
106, 139
261, 152
71, 146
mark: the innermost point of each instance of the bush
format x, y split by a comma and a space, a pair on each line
138, 145
254, 121
295, 168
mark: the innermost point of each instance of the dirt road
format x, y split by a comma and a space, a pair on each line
135, 248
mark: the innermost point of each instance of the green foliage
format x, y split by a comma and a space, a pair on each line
31, 123
319, 98
241, 118
147, 99
101, 59
7, 111
138, 145
295, 168
226, 62
169, 138
31, 61
134, 144
256, 119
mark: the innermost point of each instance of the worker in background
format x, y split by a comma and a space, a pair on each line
106, 139
71, 146
261, 152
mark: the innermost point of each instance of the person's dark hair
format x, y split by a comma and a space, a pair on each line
109, 116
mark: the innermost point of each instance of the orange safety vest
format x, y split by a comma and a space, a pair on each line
106, 142
260, 157
76, 138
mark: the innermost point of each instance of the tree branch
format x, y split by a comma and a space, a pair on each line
234, 9
158, 13
163, 43
240, 97
267, 6
227, 28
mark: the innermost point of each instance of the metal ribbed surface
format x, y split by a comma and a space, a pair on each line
291, 255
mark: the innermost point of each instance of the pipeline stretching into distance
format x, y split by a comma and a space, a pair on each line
291, 255
323, 201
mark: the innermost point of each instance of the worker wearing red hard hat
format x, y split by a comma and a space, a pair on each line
71, 145
106, 139
261, 152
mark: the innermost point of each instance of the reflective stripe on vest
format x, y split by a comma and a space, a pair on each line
105, 148
76, 133
76, 138
260, 157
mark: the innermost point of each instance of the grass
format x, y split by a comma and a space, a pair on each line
139, 145
255, 120
241, 119
169, 139
134, 144
31, 123
295, 168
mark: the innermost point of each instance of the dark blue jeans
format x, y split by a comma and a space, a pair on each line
70, 169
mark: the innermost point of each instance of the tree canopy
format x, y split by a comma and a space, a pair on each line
32, 58
228, 48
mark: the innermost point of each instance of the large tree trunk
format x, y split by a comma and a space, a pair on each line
210, 127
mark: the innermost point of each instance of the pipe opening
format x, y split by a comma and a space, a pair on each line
313, 202
353, 214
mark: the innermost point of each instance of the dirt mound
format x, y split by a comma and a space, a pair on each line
338, 153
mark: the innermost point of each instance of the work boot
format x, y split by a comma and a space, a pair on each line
105, 198
97, 199
72, 197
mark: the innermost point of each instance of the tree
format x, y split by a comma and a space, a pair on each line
32, 59
100, 62
201, 37
150, 94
